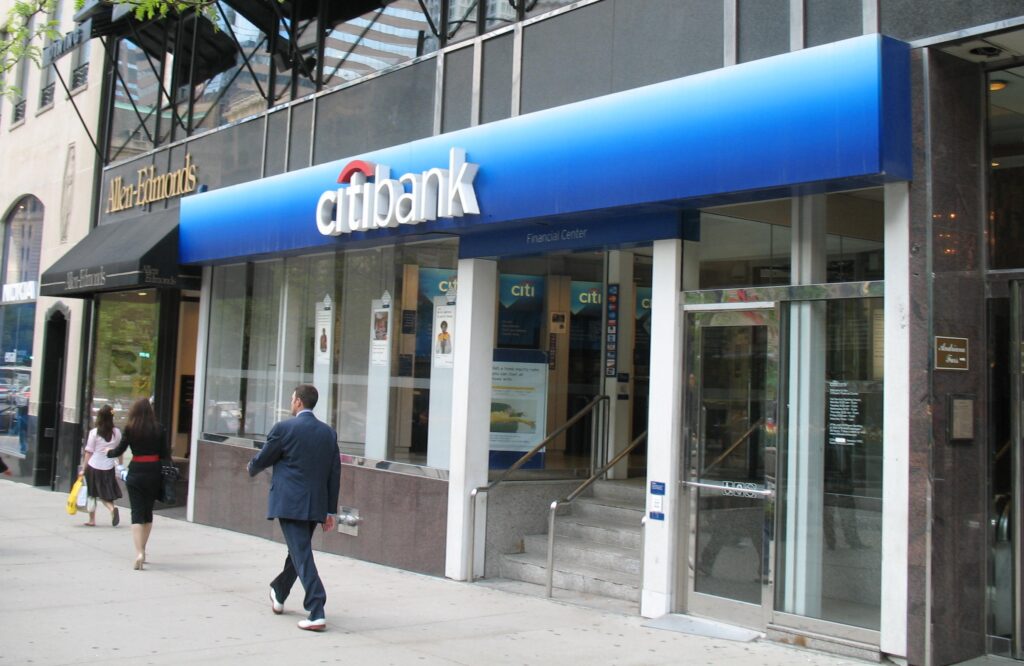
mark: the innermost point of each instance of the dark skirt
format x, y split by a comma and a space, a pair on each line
102, 483
145, 483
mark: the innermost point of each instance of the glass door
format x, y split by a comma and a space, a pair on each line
1008, 487
732, 361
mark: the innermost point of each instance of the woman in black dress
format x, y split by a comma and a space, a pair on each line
148, 441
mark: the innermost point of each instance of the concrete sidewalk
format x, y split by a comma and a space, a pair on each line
70, 596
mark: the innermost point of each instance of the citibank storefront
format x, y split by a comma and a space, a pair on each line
705, 260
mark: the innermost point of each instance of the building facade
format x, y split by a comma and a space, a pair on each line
49, 171
759, 259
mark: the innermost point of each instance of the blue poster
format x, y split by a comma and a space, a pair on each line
433, 282
586, 300
520, 311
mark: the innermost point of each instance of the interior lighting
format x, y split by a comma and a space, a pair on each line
995, 85
986, 51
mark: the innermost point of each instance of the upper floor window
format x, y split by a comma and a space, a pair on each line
80, 66
23, 241
21, 83
48, 75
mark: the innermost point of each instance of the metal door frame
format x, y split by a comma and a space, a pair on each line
754, 616
775, 297
1016, 460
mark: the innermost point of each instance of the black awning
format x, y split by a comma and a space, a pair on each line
123, 255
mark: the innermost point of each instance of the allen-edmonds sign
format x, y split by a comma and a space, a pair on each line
387, 202
150, 187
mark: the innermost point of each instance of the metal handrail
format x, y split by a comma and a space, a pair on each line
576, 493
473, 494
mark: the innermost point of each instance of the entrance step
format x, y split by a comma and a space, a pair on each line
532, 568
597, 545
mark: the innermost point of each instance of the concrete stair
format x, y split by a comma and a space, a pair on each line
597, 545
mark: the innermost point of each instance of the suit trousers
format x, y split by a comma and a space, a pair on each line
298, 535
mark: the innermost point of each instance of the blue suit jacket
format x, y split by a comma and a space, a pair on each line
307, 469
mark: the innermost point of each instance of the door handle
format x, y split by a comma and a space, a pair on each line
746, 490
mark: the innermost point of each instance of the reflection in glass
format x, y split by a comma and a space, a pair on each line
735, 252
1006, 148
538, 7
133, 113
276, 324
831, 569
748, 245
392, 34
736, 424
126, 344
234, 93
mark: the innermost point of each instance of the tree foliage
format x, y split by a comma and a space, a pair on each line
29, 25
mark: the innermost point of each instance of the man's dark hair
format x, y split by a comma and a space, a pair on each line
307, 395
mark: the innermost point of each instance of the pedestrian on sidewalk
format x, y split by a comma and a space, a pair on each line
147, 439
303, 493
99, 469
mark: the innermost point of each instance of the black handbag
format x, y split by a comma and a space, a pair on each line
170, 474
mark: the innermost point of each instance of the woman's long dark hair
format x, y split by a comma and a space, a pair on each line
141, 424
105, 422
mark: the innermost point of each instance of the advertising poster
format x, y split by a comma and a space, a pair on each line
379, 336
642, 336
586, 300
323, 343
433, 282
444, 336
519, 398
520, 311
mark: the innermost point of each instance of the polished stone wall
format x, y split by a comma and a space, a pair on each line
404, 516
516, 510
948, 547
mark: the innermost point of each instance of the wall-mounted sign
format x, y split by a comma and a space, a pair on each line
59, 48
19, 291
150, 187
519, 399
844, 410
951, 353
387, 202
611, 353
657, 501
961, 418
520, 310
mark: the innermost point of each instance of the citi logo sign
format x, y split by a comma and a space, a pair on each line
590, 297
388, 202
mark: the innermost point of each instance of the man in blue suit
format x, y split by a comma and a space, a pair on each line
303, 492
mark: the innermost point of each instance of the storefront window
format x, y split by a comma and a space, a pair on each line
241, 364
750, 245
358, 325
126, 344
830, 486
1006, 161
553, 352
22, 245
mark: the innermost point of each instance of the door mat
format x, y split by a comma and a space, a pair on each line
698, 626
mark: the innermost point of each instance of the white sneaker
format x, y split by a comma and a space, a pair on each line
313, 625
275, 605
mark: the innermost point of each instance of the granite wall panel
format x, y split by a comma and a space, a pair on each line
948, 299
405, 517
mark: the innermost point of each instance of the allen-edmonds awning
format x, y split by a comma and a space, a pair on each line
123, 255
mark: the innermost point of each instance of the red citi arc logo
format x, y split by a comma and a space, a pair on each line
388, 202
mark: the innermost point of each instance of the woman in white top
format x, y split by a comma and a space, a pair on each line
99, 469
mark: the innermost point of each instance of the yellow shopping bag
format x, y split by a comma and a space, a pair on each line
72, 506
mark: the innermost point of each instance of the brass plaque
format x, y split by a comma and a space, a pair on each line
951, 353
